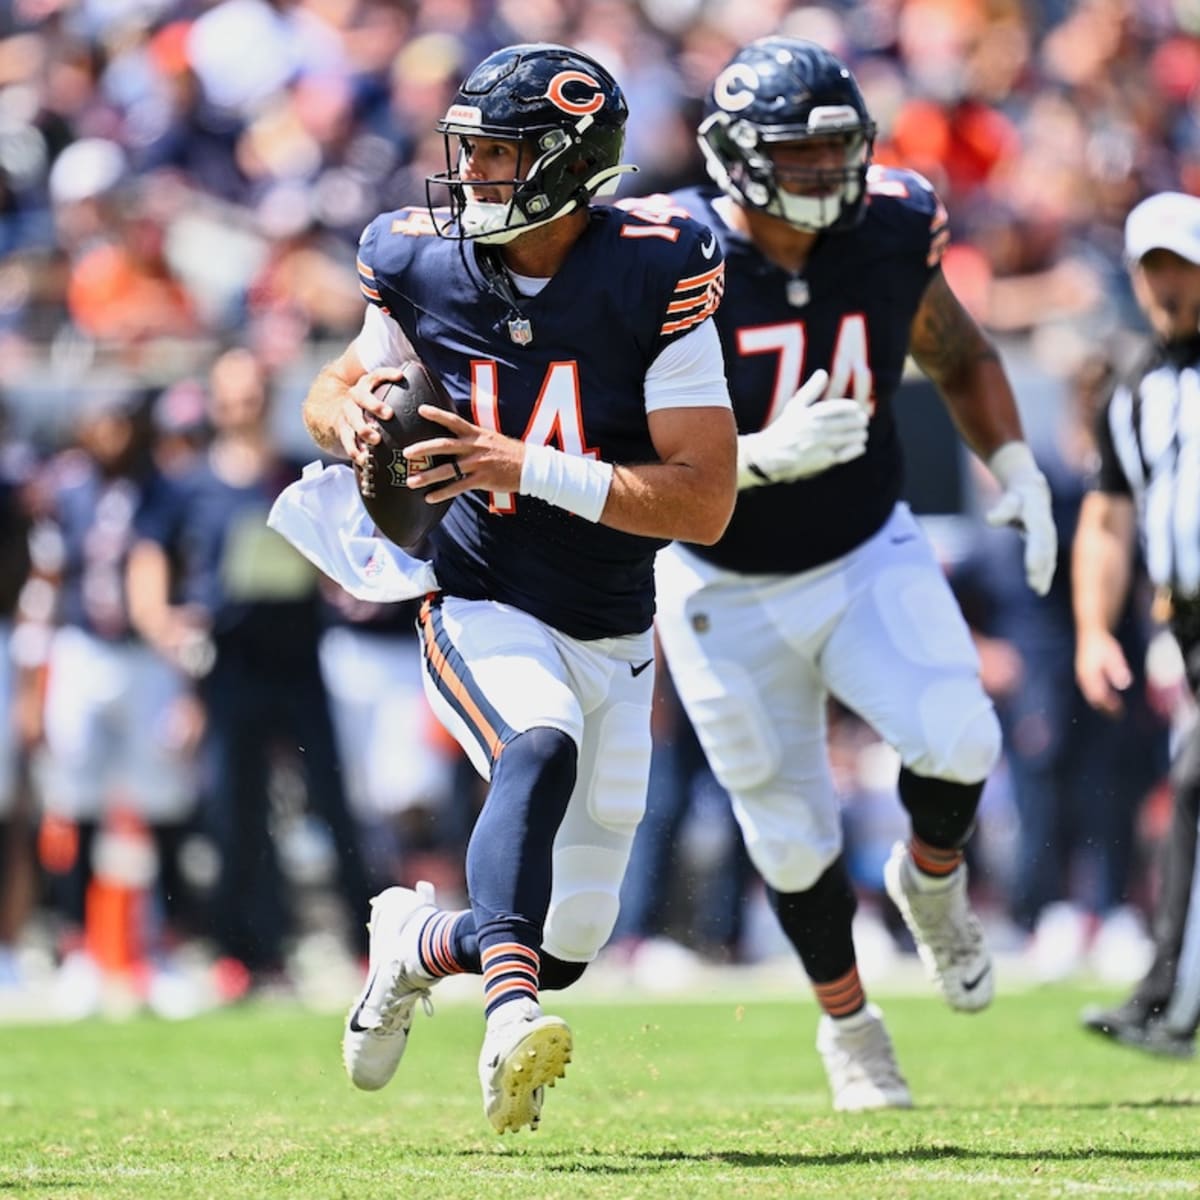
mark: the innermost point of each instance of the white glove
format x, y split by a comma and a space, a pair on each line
1026, 504
805, 439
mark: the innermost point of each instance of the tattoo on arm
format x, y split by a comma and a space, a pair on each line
945, 340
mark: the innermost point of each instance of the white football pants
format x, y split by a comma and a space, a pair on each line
492, 670
754, 658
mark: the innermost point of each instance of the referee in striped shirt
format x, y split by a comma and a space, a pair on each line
1148, 489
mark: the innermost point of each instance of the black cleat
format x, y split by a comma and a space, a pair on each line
1134, 1024
1161, 1040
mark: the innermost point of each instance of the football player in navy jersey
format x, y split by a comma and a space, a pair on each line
593, 426
824, 584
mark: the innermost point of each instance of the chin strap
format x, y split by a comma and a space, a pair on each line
498, 280
604, 183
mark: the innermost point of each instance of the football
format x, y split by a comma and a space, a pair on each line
399, 512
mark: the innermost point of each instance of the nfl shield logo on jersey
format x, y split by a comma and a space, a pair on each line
798, 294
520, 329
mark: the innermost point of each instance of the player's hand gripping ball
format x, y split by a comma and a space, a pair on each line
399, 512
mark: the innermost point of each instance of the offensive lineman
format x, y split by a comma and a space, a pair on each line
824, 583
593, 424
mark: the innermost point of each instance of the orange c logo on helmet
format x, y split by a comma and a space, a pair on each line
577, 108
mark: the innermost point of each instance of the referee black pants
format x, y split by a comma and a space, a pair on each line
1172, 984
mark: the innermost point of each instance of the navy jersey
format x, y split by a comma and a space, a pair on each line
849, 312
572, 377
259, 593
97, 518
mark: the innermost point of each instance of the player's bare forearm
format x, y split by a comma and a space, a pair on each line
341, 405
959, 358
1101, 558
668, 500
323, 405
689, 496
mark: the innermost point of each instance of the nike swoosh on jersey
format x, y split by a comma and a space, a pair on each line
707, 248
635, 671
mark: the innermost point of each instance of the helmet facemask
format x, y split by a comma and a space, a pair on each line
739, 158
564, 173
782, 92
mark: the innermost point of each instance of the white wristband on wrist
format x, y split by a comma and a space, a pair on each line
580, 485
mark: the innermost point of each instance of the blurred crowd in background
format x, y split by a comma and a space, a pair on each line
226, 778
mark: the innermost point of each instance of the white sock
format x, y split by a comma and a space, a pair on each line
932, 883
524, 1009
855, 1020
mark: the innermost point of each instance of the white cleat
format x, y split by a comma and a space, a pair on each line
948, 934
378, 1023
516, 1063
861, 1064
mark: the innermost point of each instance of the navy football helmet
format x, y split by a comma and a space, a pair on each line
568, 115
784, 90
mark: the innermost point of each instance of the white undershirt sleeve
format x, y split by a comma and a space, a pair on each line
689, 372
381, 341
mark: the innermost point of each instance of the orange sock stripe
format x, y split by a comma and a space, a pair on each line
849, 1008
843, 996
442, 953
510, 972
435, 947
509, 967
446, 944
839, 989
933, 860
510, 948
501, 993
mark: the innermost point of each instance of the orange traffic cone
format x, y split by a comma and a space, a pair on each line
125, 865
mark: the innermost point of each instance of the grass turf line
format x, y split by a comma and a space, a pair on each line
663, 1100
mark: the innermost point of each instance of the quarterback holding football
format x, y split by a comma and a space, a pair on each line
591, 425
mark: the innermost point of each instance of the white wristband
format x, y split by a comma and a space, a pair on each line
580, 485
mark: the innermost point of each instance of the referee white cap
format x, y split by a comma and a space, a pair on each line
1166, 221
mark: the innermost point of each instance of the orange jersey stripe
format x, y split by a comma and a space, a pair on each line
687, 285
684, 305
687, 322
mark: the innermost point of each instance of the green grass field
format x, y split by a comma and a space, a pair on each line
663, 1100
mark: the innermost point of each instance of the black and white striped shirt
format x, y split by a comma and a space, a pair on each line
1149, 442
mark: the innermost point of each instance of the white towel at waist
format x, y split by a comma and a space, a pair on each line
322, 515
